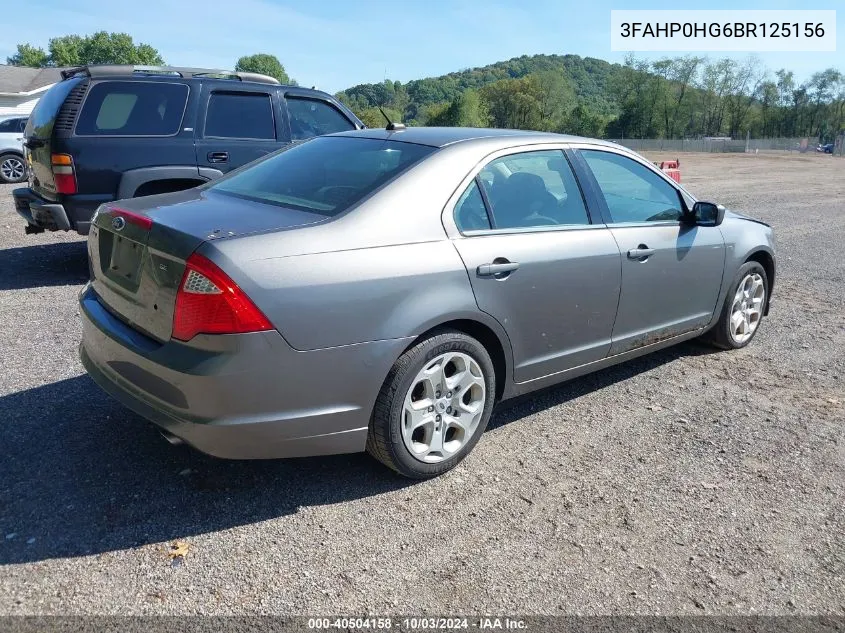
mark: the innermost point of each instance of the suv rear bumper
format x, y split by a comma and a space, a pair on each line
44, 215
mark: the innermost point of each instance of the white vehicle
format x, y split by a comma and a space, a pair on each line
12, 167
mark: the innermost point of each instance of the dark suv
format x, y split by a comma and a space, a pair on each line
107, 133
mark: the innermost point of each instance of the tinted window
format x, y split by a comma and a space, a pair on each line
9, 125
632, 191
470, 212
533, 189
240, 115
309, 117
326, 175
21, 125
133, 108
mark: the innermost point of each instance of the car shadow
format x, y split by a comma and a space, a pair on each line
82, 475
57, 264
528, 404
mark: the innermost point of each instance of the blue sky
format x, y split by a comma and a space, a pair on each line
335, 44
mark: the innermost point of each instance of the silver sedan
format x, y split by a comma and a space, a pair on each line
382, 290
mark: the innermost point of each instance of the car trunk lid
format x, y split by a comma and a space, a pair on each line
138, 248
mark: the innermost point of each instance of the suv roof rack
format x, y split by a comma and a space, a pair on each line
172, 71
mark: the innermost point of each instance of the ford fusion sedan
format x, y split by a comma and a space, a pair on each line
382, 290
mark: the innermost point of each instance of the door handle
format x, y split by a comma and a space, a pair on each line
500, 268
642, 252
218, 157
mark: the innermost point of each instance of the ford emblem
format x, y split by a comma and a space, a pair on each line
118, 222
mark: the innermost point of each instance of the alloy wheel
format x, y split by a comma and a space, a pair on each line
12, 169
747, 307
443, 407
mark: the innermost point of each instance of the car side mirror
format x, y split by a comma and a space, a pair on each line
707, 213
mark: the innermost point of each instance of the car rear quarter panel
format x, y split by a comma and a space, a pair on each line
338, 298
385, 270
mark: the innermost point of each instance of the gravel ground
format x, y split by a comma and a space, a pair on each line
685, 482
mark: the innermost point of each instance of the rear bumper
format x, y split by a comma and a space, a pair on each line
72, 214
246, 396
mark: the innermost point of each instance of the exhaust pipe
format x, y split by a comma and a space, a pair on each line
176, 441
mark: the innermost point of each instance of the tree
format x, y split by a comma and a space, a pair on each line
637, 93
98, 48
822, 87
116, 48
539, 101
373, 118
28, 56
65, 51
263, 64
555, 98
584, 122
467, 110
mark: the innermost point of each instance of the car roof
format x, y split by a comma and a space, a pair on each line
443, 136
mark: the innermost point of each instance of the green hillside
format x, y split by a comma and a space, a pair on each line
669, 98
589, 78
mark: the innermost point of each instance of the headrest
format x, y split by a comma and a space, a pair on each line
526, 183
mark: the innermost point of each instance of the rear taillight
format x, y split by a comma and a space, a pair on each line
63, 173
209, 302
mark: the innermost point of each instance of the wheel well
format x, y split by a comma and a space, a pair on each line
10, 152
166, 186
768, 264
487, 338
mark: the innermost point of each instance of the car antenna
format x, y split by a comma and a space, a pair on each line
390, 124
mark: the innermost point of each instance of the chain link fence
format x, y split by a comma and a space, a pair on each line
723, 145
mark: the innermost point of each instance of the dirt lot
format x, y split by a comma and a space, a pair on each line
687, 482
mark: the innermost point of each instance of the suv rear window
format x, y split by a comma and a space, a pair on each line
133, 108
326, 175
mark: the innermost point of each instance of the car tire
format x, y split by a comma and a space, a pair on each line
433, 406
743, 309
12, 168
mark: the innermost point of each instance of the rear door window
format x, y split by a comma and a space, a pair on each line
133, 108
533, 189
247, 115
8, 126
312, 117
12, 126
470, 211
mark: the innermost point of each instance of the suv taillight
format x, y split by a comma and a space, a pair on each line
63, 173
209, 302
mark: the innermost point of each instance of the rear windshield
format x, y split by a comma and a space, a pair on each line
326, 175
133, 108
